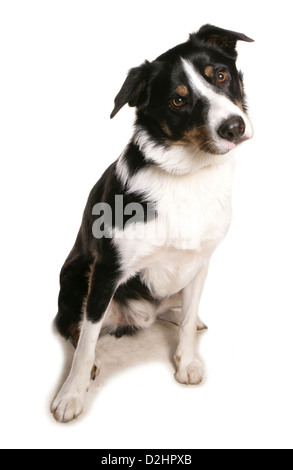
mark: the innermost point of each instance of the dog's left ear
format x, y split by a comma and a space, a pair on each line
133, 90
223, 38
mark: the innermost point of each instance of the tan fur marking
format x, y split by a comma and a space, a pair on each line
209, 71
200, 138
74, 333
195, 136
182, 90
241, 86
74, 329
166, 129
90, 275
240, 105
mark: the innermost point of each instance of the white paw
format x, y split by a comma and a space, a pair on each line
67, 405
192, 373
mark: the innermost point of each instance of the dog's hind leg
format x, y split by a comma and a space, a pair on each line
70, 400
171, 310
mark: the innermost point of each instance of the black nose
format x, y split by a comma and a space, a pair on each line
232, 129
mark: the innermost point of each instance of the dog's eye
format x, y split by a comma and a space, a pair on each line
221, 76
178, 102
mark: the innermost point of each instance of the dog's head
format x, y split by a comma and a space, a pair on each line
192, 94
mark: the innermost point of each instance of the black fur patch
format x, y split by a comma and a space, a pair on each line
133, 289
135, 159
127, 330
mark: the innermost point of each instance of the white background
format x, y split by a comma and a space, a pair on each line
62, 63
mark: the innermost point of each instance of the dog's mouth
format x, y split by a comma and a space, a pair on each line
228, 145
220, 146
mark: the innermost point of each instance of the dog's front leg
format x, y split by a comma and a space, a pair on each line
70, 400
189, 368
68, 404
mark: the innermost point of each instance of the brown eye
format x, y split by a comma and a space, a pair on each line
221, 76
178, 102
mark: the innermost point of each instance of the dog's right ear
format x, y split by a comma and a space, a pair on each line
134, 89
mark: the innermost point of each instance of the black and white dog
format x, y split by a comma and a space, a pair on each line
155, 217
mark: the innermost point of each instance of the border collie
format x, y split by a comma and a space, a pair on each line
157, 214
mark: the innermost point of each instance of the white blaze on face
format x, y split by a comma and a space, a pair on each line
220, 108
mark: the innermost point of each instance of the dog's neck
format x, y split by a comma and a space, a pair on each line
175, 159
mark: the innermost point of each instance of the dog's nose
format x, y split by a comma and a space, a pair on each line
232, 129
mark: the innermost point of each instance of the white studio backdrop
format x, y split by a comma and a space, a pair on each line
62, 63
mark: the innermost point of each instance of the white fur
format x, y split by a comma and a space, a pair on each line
122, 170
193, 215
139, 313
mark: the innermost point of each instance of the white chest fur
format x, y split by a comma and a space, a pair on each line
193, 216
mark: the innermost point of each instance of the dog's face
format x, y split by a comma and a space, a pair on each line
193, 94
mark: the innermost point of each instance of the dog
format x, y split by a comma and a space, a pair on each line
155, 217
